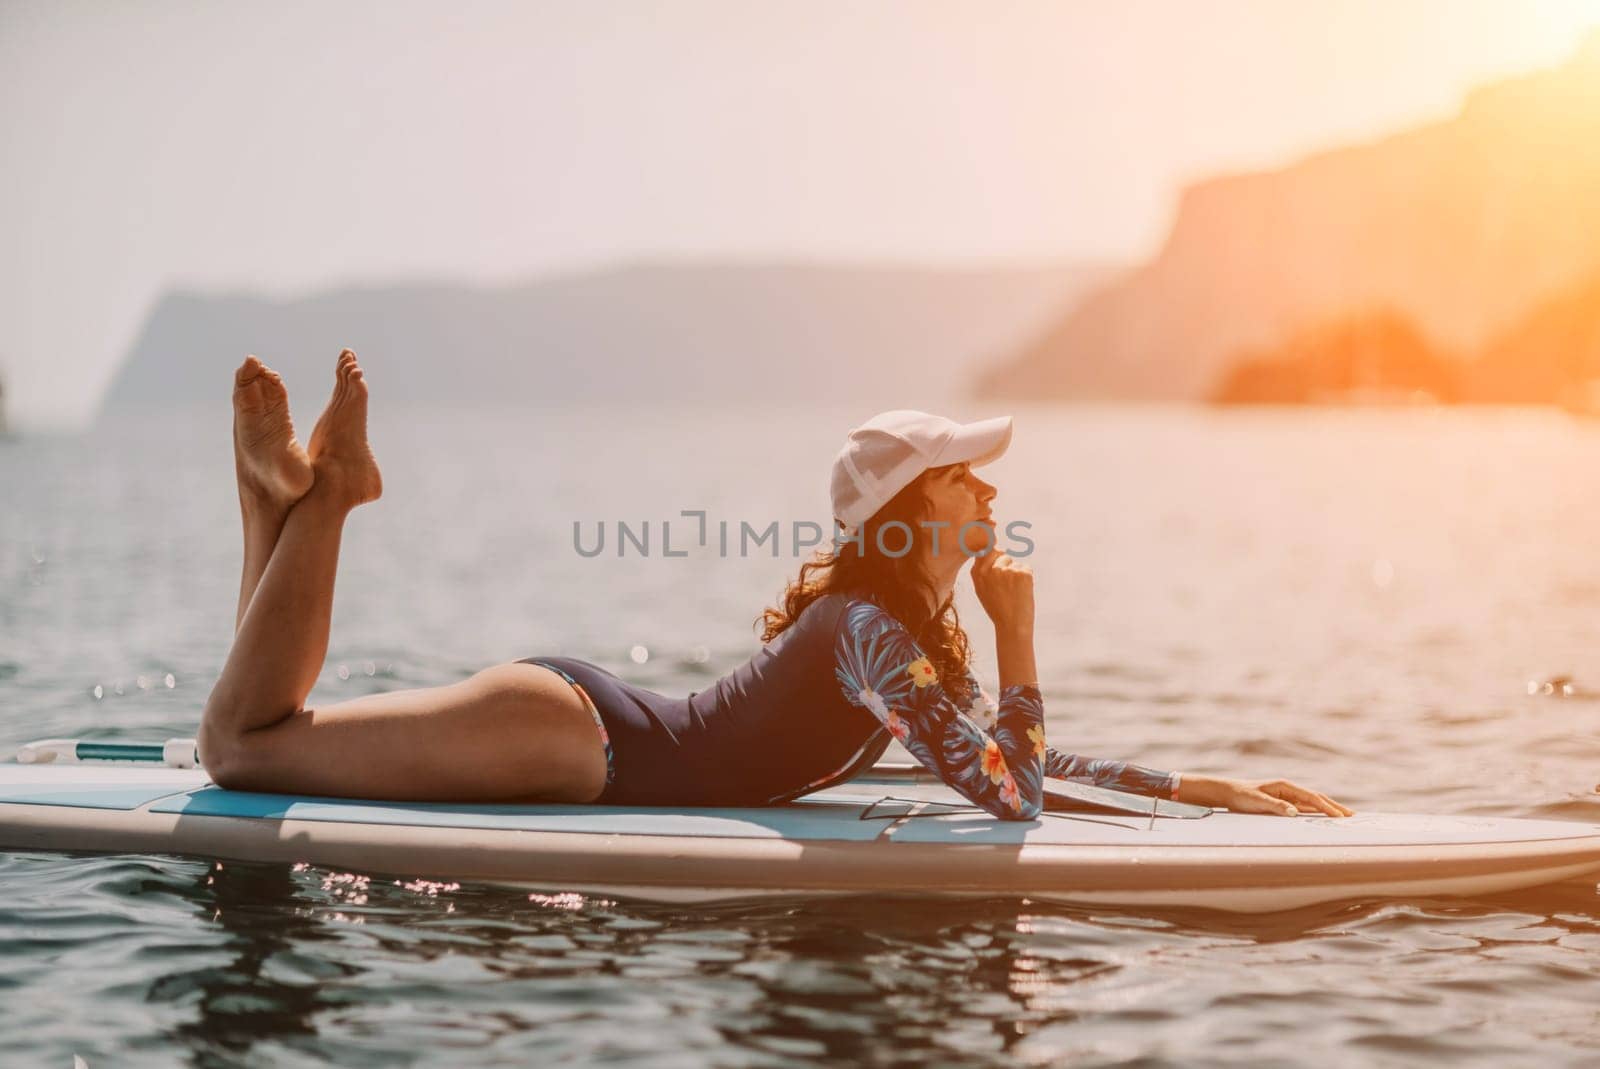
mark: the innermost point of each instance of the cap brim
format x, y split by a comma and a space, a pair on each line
976, 443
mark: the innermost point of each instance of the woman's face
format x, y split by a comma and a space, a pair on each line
958, 497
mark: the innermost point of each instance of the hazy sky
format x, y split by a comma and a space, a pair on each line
285, 146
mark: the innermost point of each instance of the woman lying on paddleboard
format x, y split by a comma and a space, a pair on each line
865, 647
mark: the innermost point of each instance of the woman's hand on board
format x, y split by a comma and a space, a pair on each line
1005, 590
1278, 797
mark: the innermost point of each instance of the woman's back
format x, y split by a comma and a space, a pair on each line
775, 727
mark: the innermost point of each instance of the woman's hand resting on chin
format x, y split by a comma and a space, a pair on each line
1005, 590
1275, 796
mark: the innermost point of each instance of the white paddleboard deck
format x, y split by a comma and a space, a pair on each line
888, 831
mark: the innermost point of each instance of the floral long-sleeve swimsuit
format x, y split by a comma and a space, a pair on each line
820, 704
993, 754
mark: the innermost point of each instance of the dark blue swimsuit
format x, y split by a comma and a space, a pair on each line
818, 705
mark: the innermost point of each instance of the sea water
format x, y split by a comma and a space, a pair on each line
1399, 608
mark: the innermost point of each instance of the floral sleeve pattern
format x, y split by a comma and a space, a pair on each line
880, 668
1099, 772
1118, 775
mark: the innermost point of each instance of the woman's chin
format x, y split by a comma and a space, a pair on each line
976, 544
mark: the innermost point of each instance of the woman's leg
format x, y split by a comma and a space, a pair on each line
511, 732
515, 730
272, 468
282, 639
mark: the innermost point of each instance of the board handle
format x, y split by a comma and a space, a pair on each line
174, 753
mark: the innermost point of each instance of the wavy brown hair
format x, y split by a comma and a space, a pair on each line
901, 586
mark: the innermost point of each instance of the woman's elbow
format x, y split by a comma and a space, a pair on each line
1025, 809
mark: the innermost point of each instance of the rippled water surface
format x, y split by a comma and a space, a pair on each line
1361, 601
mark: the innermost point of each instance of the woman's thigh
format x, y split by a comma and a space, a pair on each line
511, 732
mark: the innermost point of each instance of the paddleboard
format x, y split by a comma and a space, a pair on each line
894, 829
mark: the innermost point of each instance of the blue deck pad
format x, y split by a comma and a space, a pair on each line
806, 821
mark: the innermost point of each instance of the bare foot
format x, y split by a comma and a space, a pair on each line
339, 450
274, 470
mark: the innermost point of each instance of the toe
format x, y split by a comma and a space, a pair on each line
247, 370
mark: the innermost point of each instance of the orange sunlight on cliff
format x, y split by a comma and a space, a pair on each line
1451, 261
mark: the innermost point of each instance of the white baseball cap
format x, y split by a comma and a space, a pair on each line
883, 455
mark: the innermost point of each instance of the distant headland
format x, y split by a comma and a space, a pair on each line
715, 332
